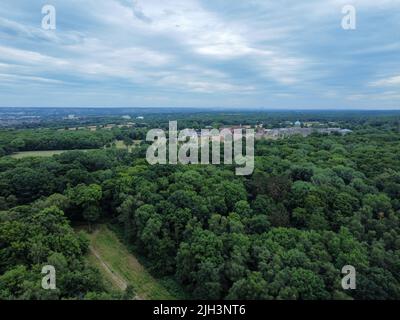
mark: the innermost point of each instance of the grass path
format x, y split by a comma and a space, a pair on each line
117, 281
121, 268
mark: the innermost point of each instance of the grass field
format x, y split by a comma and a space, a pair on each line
120, 268
119, 144
48, 153
26, 154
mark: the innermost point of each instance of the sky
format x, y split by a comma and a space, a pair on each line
286, 54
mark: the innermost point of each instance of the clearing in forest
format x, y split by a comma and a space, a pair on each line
120, 268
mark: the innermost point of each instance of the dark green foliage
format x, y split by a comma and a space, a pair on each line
31, 238
312, 206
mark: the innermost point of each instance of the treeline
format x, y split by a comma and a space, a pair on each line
356, 120
50, 139
25, 180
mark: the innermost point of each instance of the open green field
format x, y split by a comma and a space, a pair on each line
47, 153
27, 154
119, 144
120, 268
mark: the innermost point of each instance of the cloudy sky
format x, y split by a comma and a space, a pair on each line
210, 53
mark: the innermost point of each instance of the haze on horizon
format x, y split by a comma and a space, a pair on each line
181, 53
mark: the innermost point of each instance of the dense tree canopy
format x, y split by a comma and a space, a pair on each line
312, 206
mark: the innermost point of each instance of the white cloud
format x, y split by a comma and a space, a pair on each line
206, 34
18, 78
252, 47
387, 82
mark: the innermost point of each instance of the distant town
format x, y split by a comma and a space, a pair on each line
298, 128
262, 131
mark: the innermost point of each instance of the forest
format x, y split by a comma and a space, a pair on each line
312, 205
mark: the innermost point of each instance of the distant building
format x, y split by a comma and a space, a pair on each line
140, 118
126, 117
310, 124
286, 132
235, 127
334, 130
297, 124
